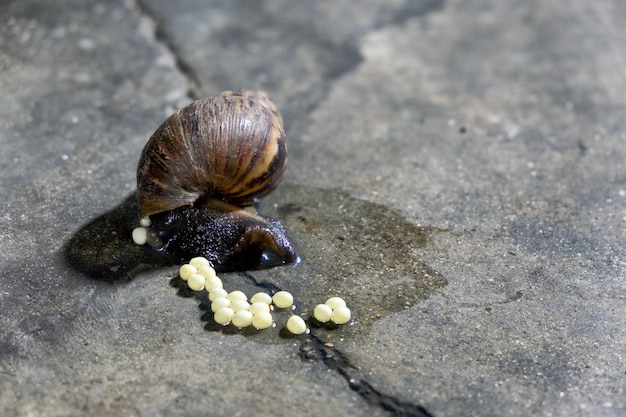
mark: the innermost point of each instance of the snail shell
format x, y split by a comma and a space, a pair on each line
200, 167
229, 147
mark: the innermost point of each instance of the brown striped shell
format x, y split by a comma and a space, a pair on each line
230, 147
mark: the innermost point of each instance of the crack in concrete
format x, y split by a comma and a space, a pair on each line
161, 36
314, 348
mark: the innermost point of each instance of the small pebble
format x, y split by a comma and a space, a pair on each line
262, 320
296, 325
199, 261
341, 315
334, 302
223, 315
215, 293
242, 318
282, 299
261, 297
196, 282
220, 302
140, 235
322, 313
145, 222
186, 271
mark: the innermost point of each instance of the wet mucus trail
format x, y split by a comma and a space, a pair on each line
104, 248
361, 250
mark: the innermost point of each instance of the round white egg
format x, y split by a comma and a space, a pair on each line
296, 325
282, 299
322, 312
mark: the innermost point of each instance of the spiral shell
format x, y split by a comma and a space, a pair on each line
230, 147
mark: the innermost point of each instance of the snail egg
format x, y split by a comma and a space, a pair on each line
282, 299
237, 295
145, 221
334, 302
322, 312
217, 292
259, 307
140, 235
223, 315
186, 271
242, 318
219, 302
199, 261
262, 320
239, 305
196, 282
261, 297
341, 315
296, 325
206, 271
213, 283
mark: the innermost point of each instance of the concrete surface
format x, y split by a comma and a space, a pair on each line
457, 173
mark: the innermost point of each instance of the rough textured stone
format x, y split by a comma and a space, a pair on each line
457, 174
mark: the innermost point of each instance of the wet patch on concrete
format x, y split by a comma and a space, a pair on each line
361, 251
349, 247
104, 248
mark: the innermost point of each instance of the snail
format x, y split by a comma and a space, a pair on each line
198, 172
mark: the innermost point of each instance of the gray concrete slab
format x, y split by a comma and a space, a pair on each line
457, 173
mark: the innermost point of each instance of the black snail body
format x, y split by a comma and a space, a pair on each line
201, 167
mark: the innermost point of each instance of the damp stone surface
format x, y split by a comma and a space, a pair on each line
457, 174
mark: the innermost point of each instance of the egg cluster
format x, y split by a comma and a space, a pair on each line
140, 234
334, 309
235, 308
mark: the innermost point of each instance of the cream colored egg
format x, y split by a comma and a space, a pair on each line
140, 235
322, 312
237, 295
261, 297
259, 307
282, 299
213, 283
199, 261
196, 282
341, 315
186, 270
219, 302
296, 325
262, 320
334, 302
206, 271
239, 304
223, 315
242, 318
215, 293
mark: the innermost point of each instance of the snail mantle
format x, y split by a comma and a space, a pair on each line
200, 170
